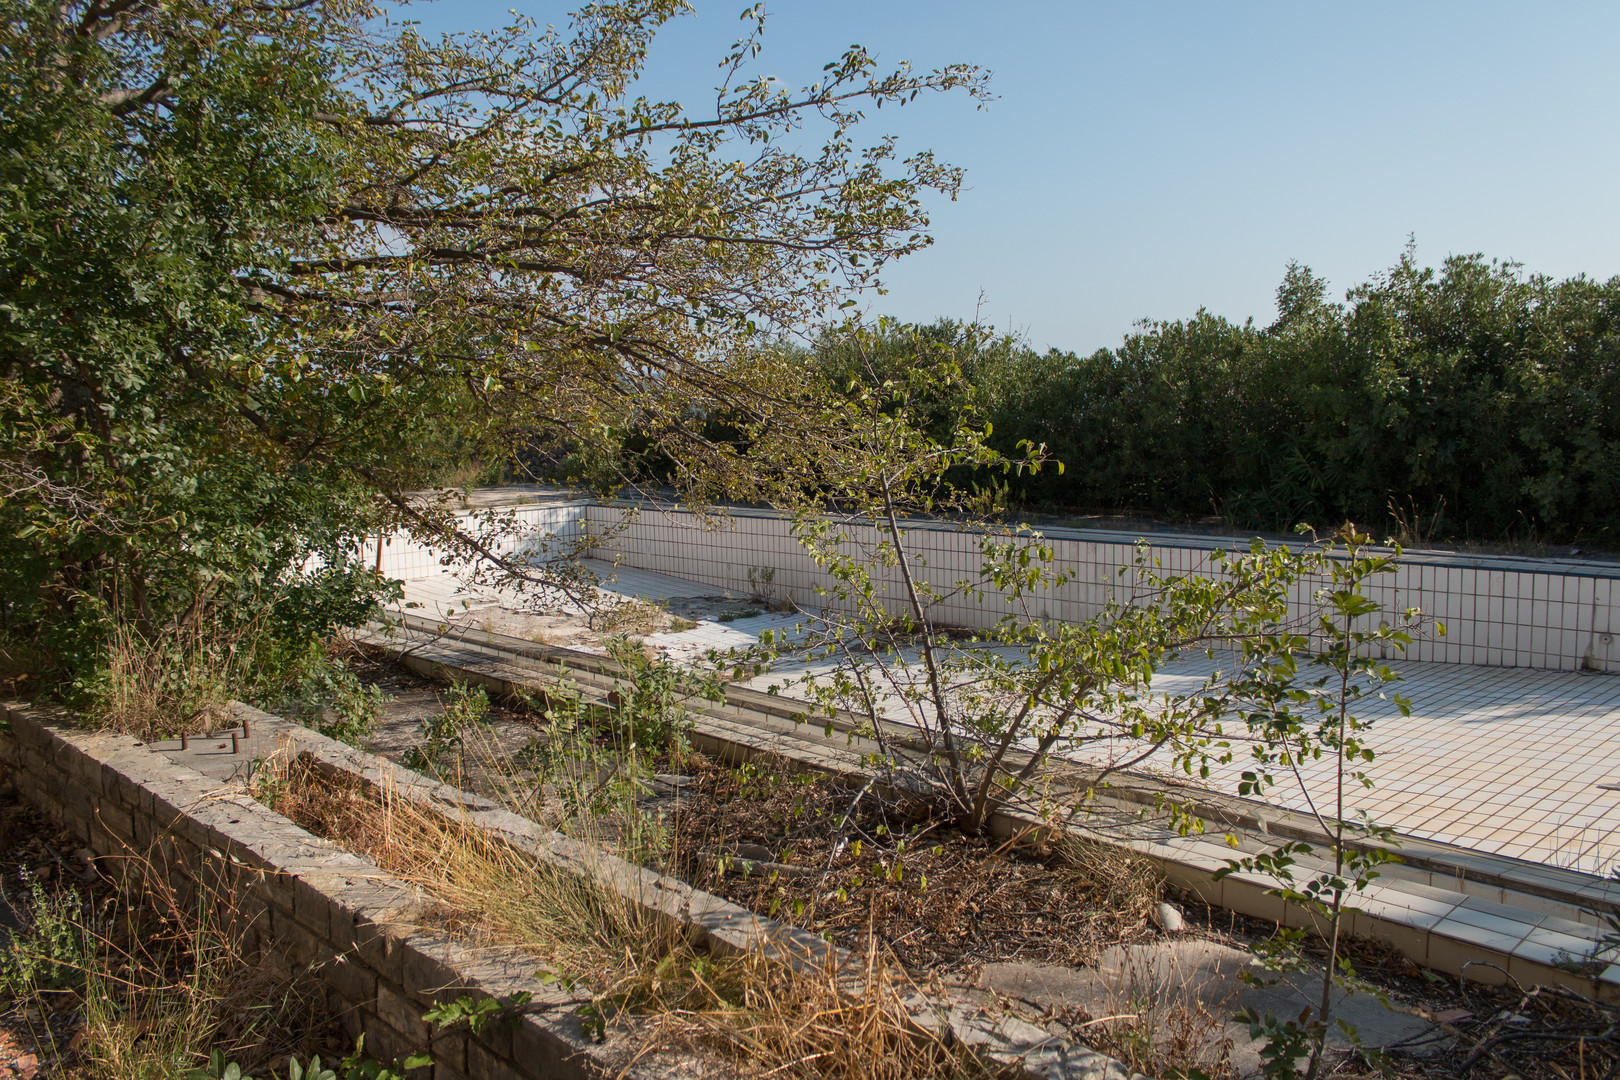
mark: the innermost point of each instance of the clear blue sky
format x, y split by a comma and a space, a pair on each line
1143, 159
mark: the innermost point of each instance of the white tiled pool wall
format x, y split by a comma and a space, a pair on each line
540, 527
1508, 613
1505, 613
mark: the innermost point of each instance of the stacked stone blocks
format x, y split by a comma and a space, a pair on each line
297, 902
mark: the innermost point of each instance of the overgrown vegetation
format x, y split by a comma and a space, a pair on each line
884, 877
267, 270
112, 990
809, 851
973, 717
259, 286
464, 708
617, 957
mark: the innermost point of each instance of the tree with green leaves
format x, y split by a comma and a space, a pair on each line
269, 267
982, 721
974, 718
1302, 698
1468, 401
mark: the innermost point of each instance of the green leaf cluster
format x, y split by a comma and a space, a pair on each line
267, 271
1466, 402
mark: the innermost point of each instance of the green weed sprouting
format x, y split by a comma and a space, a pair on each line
651, 711
465, 707
1294, 716
52, 953
355, 1065
330, 698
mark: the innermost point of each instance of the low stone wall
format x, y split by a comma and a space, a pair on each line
300, 901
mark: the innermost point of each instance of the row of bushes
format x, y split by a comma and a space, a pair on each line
1473, 402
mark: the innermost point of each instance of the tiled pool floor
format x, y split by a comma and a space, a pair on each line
1510, 761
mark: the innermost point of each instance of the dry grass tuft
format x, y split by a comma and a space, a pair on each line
810, 1024
1179, 1035
487, 892
184, 685
144, 987
630, 616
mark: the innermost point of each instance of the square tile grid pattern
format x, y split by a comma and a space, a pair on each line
1515, 762
1499, 611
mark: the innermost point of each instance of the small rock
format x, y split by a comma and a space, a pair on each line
755, 852
673, 779
1169, 918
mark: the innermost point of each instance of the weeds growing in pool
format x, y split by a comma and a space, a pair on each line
913, 891
636, 965
147, 985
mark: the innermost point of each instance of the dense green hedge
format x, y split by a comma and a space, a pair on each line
1475, 402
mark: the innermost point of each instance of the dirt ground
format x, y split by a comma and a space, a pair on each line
808, 852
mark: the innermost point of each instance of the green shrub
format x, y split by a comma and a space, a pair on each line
324, 694
651, 713
464, 707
